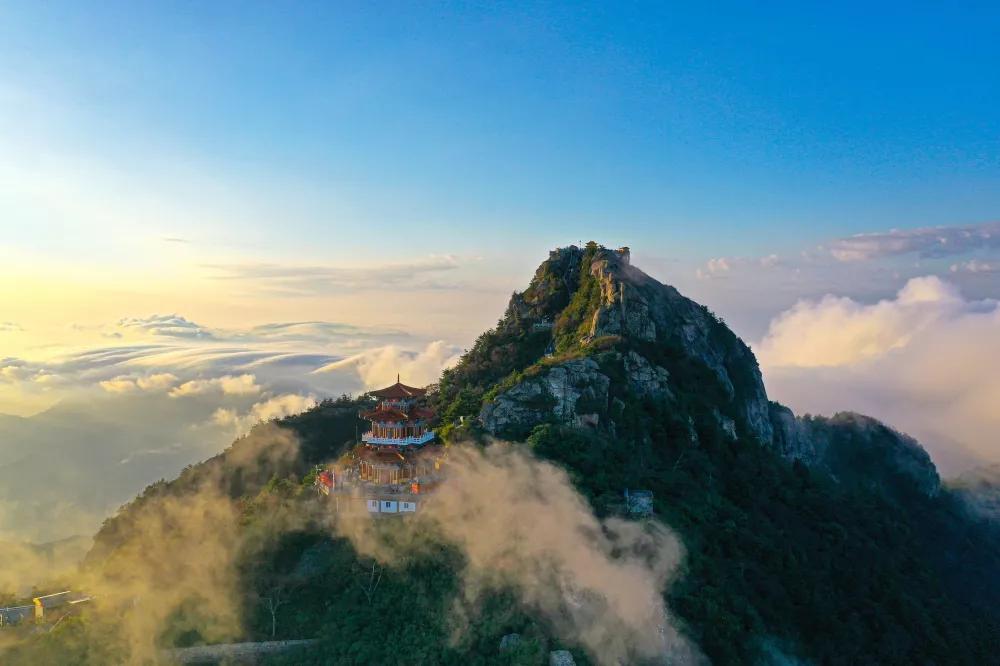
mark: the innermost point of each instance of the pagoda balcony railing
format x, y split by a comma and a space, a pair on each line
369, 438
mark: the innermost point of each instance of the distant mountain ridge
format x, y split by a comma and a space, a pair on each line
97, 454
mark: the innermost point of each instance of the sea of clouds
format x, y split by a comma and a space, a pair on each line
926, 361
166, 392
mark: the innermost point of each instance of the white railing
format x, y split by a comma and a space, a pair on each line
369, 438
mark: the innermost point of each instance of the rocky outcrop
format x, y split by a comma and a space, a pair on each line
791, 438
554, 281
571, 392
517, 409
624, 303
636, 306
726, 424
646, 379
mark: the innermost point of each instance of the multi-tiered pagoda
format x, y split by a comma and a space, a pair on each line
397, 460
398, 421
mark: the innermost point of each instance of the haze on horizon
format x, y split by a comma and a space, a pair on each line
215, 215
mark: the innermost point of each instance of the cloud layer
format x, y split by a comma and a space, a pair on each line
926, 361
171, 392
384, 365
521, 525
185, 358
311, 280
749, 290
926, 242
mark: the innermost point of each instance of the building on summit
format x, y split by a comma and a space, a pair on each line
396, 463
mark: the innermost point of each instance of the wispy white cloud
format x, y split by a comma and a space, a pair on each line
769, 261
9, 327
975, 266
171, 325
275, 407
749, 290
14, 370
292, 279
381, 366
172, 353
725, 267
345, 336
713, 268
926, 242
245, 384
160, 381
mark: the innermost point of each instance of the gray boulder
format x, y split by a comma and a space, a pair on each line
510, 642
561, 658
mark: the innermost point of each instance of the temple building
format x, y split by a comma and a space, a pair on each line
398, 421
397, 460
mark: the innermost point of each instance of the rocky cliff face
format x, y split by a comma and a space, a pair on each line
855, 449
574, 392
637, 306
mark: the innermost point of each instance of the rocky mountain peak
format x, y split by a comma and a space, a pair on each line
593, 336
592, 299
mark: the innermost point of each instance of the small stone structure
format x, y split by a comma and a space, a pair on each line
638, 502
510, 642
561, 658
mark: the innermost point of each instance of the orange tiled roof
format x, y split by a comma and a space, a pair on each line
399, 390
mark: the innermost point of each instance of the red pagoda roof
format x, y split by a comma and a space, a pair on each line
391, 414
399, 391
385, 414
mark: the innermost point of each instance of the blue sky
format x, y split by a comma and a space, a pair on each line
471, 128
320, 196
